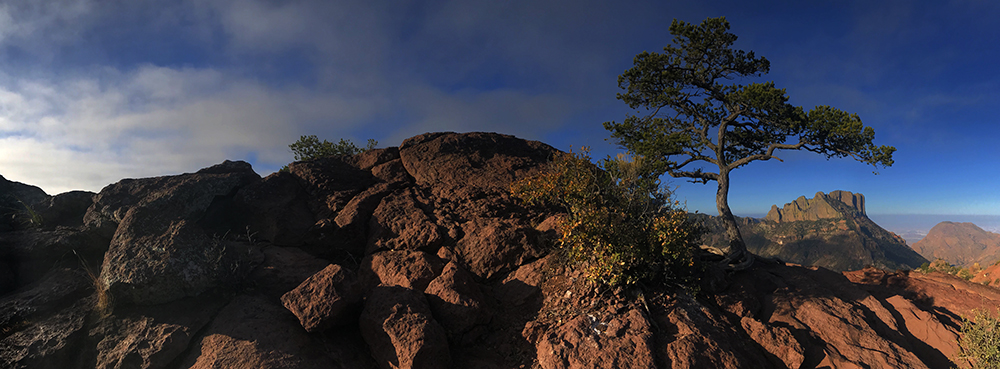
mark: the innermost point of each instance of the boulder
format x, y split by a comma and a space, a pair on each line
153, 260
160, 249
470, 165
151, 337
491, 245
53, 341
17, 201
185, 196
400, 223
276, 209
401, 332
410, 269
522, 286
60, 288
331, 182
329, 298
352, 222
30, 254
65, 209
457, 302
253, 332
283, 269
370, 159
392, 172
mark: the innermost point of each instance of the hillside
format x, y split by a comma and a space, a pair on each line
961, 244
828, 230
413, 257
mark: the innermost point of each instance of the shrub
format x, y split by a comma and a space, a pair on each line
979, 343
310, 147
622, 225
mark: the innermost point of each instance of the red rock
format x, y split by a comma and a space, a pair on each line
252, 332
587, 341
276, 209
151, 337
359, 210
174, 197
464, 166
331, 182
457, 301
700, 338
400, 223
392, 172
777, 340
153, 260
399, 328
491, 246
52, 341
410, 269
370, 159
521, 286
329, 298
283, 269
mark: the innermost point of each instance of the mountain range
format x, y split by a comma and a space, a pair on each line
828, 230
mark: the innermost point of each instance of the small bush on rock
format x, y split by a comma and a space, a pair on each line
310, 147
623, 226
979, 343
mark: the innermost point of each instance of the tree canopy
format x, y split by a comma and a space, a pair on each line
692, 111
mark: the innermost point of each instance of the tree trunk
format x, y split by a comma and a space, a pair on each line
736, 255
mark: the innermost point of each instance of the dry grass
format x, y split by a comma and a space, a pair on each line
103, 301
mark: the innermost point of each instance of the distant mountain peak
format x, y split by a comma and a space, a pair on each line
821, 206
828, 230
962, 244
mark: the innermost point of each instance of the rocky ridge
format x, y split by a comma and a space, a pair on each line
413, 257
821, 206
829, 230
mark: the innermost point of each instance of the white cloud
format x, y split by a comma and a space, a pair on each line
89, 126
86, 133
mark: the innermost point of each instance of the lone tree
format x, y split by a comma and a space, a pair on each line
695, 111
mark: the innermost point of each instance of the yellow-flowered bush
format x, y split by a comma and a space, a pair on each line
622, 225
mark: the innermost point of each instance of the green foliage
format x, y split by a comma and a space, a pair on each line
943, 267
694, 113
622, 226
979, 342
691, 111
310, 147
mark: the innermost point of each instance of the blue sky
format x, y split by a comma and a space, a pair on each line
95, 91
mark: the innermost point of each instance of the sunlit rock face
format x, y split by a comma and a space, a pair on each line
820, 206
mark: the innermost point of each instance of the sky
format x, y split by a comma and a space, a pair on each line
93, 91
